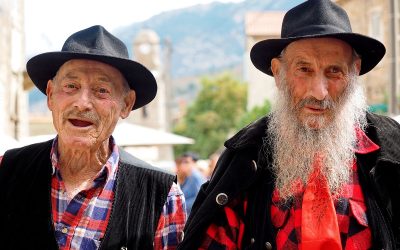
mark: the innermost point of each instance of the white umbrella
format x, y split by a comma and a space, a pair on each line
6, 143
397, 118
35, 139
128, 134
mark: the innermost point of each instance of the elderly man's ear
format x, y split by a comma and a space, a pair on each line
49, 93
128, 102
275, 68
358, 65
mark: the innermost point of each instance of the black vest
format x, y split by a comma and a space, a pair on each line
25, 208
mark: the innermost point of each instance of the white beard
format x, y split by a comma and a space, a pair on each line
295, 144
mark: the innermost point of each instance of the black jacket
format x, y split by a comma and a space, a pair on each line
25, 211
245, 167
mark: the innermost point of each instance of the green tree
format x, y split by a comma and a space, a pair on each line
217, 108
254, 114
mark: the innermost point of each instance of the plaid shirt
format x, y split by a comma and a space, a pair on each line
80, 223
227, 231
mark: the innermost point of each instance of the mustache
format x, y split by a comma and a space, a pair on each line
327, 103
84, 115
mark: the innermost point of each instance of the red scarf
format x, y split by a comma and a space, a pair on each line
319, 225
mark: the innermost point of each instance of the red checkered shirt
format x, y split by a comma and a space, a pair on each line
80, 223
227, 232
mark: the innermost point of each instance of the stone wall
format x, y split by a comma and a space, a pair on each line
13, 98
373, 18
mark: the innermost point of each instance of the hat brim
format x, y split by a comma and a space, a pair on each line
44, 67
370, 50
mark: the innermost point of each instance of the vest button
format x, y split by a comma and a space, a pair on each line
221, 199
268, 245
254, 165
252, 240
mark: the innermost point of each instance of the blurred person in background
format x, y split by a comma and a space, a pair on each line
190, 178
319, 171
212, 162
203, 167
80, 190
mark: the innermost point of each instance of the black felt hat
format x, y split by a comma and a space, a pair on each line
314, 19
95, 43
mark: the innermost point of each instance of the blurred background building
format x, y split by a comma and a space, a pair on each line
147, 51
260, 26
13, 95
379, 19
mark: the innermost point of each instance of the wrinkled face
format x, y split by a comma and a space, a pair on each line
86, 99
317, 72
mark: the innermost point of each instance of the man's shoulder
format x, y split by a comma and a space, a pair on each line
130, 161
27, 153
381, 126
31, 148
381, 120
385, 132
251, 135
26, 164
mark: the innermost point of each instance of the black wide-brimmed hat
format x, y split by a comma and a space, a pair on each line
314, 19
95, 43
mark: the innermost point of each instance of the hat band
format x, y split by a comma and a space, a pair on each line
315, 30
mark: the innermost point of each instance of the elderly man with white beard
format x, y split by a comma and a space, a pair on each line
319, 172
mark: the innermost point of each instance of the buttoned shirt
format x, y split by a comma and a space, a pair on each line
81, 222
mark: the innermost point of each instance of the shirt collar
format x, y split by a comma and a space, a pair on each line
107, 170
364, 145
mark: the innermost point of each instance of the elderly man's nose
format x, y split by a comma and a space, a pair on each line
319, 88
84, 100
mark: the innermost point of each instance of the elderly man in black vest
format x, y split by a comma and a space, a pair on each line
81, 191
319, 172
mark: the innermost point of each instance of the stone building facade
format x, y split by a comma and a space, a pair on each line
13, 97
147, 51
260, 26
380, 20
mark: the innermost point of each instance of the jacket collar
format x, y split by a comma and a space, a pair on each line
251, 135
381, 130
385, 132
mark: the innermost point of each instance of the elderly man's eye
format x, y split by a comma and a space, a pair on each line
69, 87
335, 70
103, 91
305, 69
